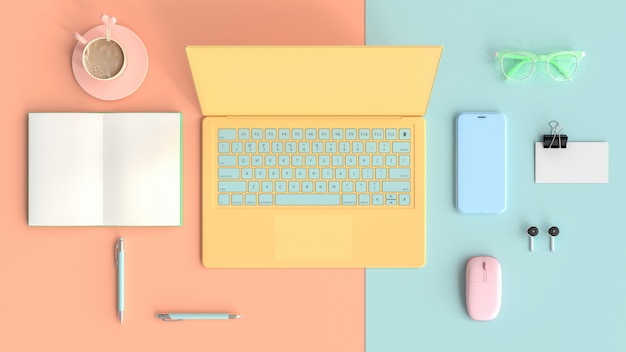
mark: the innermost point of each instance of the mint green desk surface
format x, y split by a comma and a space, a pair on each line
571, 300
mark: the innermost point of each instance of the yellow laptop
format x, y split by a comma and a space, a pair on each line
313, 157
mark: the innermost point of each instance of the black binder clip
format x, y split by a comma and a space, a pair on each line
556, 139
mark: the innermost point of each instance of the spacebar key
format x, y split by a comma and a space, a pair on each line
307, 199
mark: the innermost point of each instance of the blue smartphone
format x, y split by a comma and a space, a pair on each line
481, 163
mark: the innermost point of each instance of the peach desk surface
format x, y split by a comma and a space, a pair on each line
58, 286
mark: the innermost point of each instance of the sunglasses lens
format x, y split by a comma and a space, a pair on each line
517, 66
562, 67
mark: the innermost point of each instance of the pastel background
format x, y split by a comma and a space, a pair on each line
571, 300
57, 285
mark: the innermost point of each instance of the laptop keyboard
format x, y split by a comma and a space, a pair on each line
358, 167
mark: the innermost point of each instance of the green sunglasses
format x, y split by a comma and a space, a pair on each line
519, 65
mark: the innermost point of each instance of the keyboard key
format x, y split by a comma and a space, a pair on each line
351, 134
327, 173
331, 147
270, 160
348, 199
244, 160
378, 134
337, 133
296, 134
257, 133
391, 133
318, 147
337, 160
314, 174
391, 160
267, 186
283, 160
283, 134
290, 147
405, 133
253, 186
324, 160
405, 199
370, 147
364, 133
396, 187
367, 173
223, 199
384, 147
404, 160
287, 174
224, 186
296, 160
377, 160
250, 147
364, 160
377, 199
246, 174
228, 173
300, 173
307, 186
347, 186
324, 134
381, 173
281, 186
307, 199
399, 173
350, 160
304, 147
226, 134
354, 173
364, 199
320, 186
264, 147
361, 187
237, 147
244, 133
374, 186
260, 173
250, 199
357, 147
237, 199
294, 186
277, 147
344, 147
340, 174
333, 187
270, 133
273, 173
310, 160
265, 199
390, 201
311, 133
224, 160
223, 147
401, 147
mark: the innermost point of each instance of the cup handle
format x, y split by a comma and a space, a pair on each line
80, 38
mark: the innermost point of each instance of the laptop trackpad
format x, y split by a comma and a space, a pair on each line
313, 237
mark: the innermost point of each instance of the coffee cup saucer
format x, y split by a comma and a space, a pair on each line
132, 77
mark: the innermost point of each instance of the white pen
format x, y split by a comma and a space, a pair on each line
119, 262
196, 316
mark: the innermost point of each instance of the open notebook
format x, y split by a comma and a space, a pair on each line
98, 169
313, 156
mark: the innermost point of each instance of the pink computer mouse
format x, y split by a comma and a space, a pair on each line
483, 287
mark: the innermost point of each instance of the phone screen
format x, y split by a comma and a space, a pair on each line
481, 163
